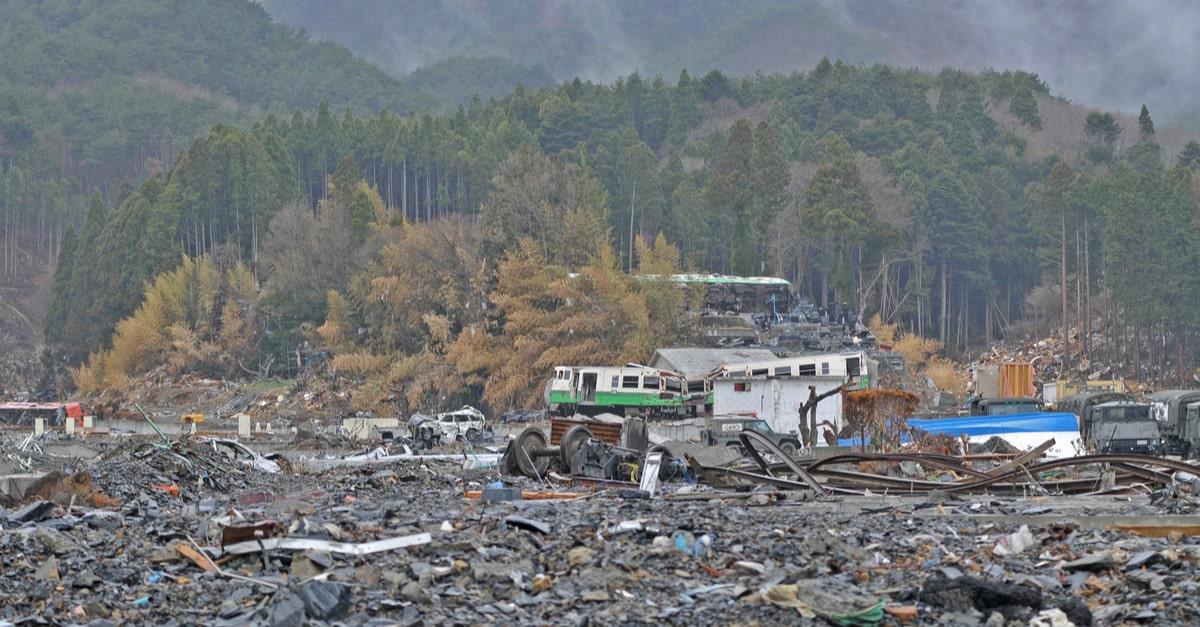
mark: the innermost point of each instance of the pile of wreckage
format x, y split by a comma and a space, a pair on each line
601, 524
618, 453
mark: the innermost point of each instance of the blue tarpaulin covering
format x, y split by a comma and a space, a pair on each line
996, 425
1019, 429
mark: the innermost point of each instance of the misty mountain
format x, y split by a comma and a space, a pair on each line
1105, 53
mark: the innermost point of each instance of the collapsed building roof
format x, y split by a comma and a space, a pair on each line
695, 363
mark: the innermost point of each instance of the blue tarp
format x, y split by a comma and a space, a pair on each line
1052, 422
984, 426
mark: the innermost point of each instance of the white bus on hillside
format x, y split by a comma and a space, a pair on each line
854, 369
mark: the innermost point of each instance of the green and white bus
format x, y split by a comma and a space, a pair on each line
622, 390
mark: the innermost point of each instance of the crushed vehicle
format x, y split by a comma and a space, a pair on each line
464, 425
1125, 427
234, 451
725, 431
1178, 415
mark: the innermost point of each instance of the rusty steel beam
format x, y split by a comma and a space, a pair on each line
749, 440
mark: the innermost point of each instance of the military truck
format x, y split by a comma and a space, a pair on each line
1003, 406
1082, 404
1125, 427
1178, 415
724, 430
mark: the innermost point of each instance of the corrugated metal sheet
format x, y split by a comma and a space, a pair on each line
604, 431
1016, 380
695, 363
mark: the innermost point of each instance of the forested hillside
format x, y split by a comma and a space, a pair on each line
95, 93
430, 253
1111, 54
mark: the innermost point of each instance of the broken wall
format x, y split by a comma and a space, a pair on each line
778, 401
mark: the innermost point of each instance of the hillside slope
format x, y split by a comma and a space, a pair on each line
94, 93
1108, 53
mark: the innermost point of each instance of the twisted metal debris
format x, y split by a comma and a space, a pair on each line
859, 473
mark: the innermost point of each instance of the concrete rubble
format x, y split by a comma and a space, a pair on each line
166, 530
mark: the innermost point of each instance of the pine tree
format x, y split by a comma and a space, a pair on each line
730, 197
1146, 155
1054, 209
345, 176
1189, 158
771, 179
60, 300
1145, 124
78, 333
1024, 106
838, 212
1103, 127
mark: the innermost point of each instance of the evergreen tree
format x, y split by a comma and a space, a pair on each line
1052, 198
714, 86
60, 299
78, 331
1024, 106
1145, 124
685, 109
771, 179
838, 212
1103, 127
730, 198
1102, 131
1190, 157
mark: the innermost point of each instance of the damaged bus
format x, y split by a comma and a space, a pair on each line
854, 369
623, 390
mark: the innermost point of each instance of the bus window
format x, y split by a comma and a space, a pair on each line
650, 383
673, 384
629, 381
783, 371
825, 367
806, 370
758, 372
616, 379
852, 366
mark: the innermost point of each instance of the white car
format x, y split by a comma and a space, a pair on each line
465, 424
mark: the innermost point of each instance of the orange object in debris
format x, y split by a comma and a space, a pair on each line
170, 489
75, 410
903, 613
198, 558
1016, 380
